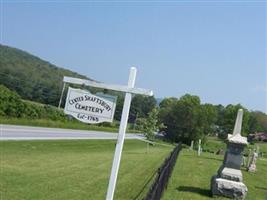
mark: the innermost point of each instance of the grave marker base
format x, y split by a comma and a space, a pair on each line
228, 188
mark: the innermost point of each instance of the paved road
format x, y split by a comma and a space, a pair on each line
11, 132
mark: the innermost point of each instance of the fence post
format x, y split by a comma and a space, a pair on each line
161, 181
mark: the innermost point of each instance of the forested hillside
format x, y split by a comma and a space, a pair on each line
31, 77
37, 80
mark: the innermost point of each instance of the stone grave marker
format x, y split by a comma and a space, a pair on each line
228, 180
199, 148
192, 145
252, 164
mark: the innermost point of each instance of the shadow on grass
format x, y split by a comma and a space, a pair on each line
145, 185
200, 191
261, 188
204, 157
218, 159
129, 152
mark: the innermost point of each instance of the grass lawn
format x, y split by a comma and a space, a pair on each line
76, 170
191, 177
213, 144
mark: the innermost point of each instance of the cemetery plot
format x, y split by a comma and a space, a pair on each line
191, 177
76, 170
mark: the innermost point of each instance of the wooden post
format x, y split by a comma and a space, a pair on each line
121, 136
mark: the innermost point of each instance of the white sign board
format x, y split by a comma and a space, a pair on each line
90, 108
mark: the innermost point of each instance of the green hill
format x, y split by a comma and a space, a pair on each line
31, 77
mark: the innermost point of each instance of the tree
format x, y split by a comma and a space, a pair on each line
151, 124
11, 105
208, 117
10, 102
229, 117
141, 106
182, 118
254, 125
257, 122
166, 106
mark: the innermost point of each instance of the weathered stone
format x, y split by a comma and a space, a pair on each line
228, 181
220, 152
232, 160
244, 161
252, 165
192, 145
231, 174
227, 188
199, 147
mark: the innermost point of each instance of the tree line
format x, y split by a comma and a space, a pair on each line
186, 119
12, 105
180, 119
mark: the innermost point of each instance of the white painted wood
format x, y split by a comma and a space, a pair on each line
129, 91
59, 104
120, 88
121, 136
89, 108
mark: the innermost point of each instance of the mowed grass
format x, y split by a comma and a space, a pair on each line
191, 177
213, 144
76, 170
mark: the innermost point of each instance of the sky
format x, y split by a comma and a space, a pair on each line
214, 49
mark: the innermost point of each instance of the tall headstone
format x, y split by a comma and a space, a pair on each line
192, 145
249, 158
228, 181
199, 147
244, 161
252, 164
258, 150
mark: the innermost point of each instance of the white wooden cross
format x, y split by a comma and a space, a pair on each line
129, 90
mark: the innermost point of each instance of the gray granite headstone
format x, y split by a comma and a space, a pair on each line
228, 180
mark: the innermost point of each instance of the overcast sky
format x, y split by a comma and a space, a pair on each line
213, 49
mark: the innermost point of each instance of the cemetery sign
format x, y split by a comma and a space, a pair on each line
90, 108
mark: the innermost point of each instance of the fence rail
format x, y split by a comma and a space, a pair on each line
164, 173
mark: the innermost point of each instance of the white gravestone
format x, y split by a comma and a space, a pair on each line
199, 147
228, 181
252, 164
249, 158
192, 145
244, 161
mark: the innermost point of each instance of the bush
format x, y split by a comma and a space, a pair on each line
11, 105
